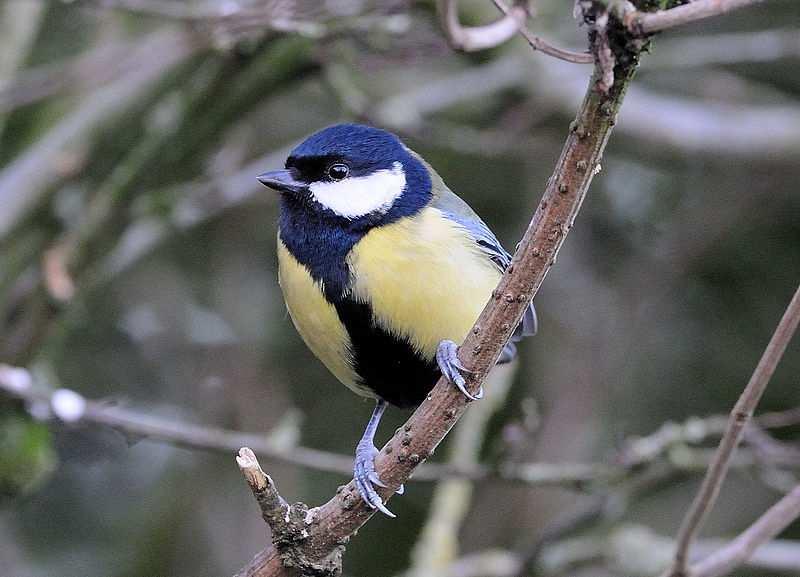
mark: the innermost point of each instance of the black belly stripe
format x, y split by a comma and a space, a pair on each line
386, 364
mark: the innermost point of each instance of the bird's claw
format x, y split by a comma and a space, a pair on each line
365, 477
452, 368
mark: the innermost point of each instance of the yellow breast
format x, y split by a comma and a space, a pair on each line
316, 319
425, 278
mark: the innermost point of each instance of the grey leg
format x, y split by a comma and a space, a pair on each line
364, 468
451, 367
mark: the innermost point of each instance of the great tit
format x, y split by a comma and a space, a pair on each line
383, 270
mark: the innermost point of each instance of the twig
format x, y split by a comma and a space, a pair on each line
477, 38
740, 416
647, 23
769, 132
272, 505
621, 549
541, 45
768, 526
637, 452
288, 523
19, 383
416, 440
776, 419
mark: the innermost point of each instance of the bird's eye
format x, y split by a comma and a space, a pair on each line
338, 171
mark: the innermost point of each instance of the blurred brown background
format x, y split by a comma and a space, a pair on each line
131, 133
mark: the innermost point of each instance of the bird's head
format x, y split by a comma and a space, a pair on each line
354, 173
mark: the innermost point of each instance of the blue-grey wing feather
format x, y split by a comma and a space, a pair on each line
454, 208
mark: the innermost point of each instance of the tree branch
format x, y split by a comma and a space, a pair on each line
740, 416
19, 383
338, 519
646, 23
620, 549
541, 45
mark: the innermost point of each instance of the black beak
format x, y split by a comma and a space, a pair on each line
282, 181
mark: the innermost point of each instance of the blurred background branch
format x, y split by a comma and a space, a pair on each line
740, 417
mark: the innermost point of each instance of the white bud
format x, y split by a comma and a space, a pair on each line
16, 379
68, 405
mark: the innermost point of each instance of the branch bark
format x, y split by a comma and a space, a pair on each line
644, 23
740, 416
542, 45
334, 522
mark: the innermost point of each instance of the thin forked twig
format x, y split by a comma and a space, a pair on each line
768, 526
740, 416
647, 23
541, 45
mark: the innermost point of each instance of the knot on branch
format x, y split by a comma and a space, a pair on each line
288, 524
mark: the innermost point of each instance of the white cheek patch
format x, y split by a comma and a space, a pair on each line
360, 195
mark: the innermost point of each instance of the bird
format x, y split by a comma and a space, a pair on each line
383, 270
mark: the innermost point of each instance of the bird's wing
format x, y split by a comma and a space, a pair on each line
454, 208
459, 211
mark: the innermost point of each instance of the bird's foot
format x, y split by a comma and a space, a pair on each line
367, 479
452, 369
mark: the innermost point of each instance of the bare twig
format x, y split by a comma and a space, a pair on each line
686, 125
18, 382
647, 23
636, 453
288, 523
541, 45
740, 416
478, 37
768, 526
266, 493
776, 419
621, 549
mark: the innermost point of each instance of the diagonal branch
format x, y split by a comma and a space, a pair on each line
740, 416
334, 522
